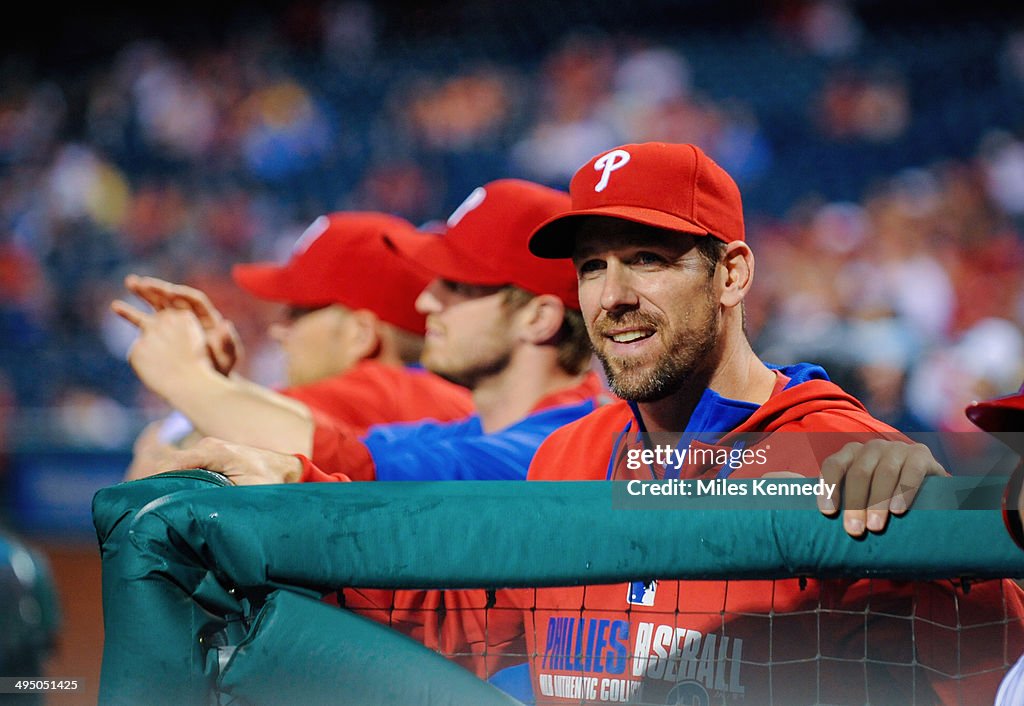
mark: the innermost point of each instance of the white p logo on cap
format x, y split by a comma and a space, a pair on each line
309, 236
616, 159
472, 201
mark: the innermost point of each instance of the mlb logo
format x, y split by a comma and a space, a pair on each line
642, 593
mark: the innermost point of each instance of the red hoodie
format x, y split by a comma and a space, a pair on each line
807, 423
836, 641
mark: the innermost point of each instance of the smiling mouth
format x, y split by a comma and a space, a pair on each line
631, 336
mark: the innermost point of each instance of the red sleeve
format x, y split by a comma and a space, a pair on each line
373, 393
352, 398
359, 466
336, 444
341, 451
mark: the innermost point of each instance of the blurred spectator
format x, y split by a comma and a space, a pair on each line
286, 130
872, 106
986, 361
175, 112
1012, 60
83, 185
574, 81
1002, 159
907, 274
463, 111
398, 187
155, 217
882, 352
648, 80
30, 121
92, 420
826, 28
830, 29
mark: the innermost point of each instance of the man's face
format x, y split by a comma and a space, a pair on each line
648, 300
315, 343
468, 334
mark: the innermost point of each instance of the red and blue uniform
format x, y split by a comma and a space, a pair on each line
735, 642
452, 451
448, 451
371, 393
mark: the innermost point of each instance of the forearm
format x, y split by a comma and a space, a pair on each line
240, 411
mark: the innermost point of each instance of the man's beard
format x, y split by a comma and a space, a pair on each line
689, 355
469, 375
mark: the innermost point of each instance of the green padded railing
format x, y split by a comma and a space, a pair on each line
130, 626
195, 557
302, 651
491, 533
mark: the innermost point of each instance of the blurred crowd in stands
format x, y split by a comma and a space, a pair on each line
882, 171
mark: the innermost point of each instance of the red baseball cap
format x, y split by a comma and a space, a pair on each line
341, 259
1003, 417
671, 186
485, 241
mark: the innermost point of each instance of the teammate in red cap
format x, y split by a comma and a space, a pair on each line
352, 338
499, 321
656, 235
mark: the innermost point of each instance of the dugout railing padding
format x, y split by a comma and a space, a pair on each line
185, 569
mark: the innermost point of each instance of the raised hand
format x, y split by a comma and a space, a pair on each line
170, 350
222, 341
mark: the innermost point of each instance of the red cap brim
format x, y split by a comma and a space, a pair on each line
435, 255
275, 283
556, 237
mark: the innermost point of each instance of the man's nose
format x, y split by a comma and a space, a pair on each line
429, 301
617, 291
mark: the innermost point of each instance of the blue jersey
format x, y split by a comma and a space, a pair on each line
461, 450
453, 450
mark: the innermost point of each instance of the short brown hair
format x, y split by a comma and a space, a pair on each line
711, 249
574, 351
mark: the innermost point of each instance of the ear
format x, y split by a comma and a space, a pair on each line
738, 267
540, 319
364, 334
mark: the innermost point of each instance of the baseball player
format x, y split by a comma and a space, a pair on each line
479, 332
657, 239
499, 321
352, 341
